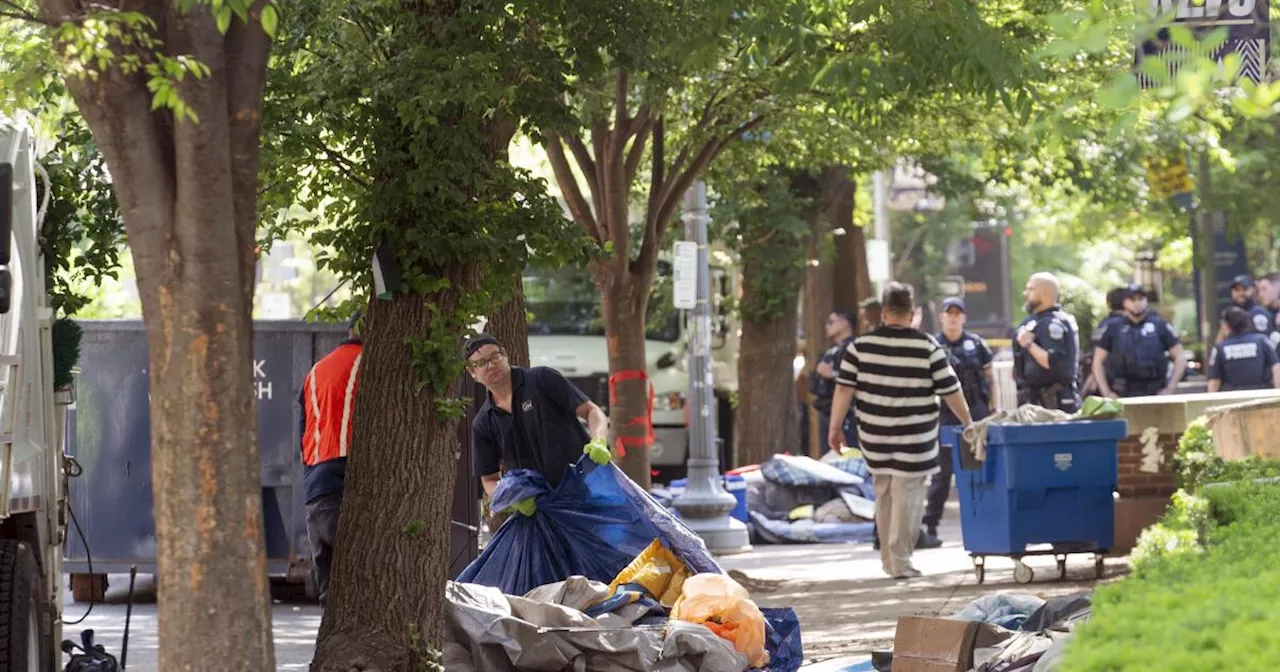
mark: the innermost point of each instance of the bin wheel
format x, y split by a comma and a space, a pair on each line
1062, 567
1099, 566
980, 569
1022, 573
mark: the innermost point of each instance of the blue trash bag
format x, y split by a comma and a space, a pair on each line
782, 639
593, 524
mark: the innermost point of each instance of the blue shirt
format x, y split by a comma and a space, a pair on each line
970, 357
542, 432
1056, 332
1136, 350
1243, 362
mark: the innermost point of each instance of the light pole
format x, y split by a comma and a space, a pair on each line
705, 504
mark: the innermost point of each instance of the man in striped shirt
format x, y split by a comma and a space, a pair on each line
896, 374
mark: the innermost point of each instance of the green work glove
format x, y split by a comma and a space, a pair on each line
526, 507
598, 451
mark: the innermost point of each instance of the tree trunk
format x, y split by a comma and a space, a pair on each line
766, 386
629, 416
390, 563
852, 281
509, 326
187, 194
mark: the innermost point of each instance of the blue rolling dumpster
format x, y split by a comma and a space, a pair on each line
1050, 485
110, 435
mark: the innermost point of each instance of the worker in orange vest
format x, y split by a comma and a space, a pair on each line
327, 399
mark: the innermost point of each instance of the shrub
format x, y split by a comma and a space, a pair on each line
1213, 609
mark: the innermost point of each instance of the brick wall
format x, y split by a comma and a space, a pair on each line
1134, 481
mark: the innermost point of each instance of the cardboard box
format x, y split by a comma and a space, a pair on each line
1135, 514
941, 644
1241, 430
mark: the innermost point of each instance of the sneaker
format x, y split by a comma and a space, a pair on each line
928, 541
908, 573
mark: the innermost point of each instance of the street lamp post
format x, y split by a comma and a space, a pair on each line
705, 504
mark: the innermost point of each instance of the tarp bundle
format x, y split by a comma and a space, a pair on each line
593, 524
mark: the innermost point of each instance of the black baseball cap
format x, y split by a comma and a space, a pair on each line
953, 302
476, 342
1243, 281
1131, 290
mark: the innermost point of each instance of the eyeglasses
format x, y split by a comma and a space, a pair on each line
477, 364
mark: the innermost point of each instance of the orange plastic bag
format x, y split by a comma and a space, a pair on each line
725, 607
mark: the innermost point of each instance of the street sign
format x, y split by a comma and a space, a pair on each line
1248, 34
1169, 176
878, 260
684, 275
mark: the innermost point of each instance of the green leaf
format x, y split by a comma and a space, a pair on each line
223, 16
1122, 93
270, 20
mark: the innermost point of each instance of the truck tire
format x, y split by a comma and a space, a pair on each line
23, 647
86, 588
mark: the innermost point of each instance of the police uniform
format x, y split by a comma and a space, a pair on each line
327, 399
1055, 387
1243, 362
970, 357
823, 390
1262, 321
1136, 354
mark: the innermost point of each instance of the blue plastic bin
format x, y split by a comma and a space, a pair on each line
1048, 483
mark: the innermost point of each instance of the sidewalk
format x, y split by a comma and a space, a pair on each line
848, 607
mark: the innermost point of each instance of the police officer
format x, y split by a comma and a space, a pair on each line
1134, 350
1046, 352
971, 358
822, 382
1263, 322
327, 400
1115, 316
531, 419
1244, 359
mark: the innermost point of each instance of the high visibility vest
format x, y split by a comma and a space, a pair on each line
329, 394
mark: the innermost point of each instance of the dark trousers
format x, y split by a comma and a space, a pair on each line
824, 425
322, 531
939, 488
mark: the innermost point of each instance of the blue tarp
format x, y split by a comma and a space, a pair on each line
593, 524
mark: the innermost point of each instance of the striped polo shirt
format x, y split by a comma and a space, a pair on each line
897, 374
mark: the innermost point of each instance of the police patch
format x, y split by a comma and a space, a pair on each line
1057, 331
969, 346
1099, 332
1260, 323
1148, 329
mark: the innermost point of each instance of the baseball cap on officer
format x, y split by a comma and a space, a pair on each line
1242, 281
953, 302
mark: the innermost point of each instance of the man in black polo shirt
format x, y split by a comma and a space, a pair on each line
531, 420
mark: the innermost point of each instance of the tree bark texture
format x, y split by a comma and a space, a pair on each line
766, 389
629, 417
509, 326
391, 560
187, 193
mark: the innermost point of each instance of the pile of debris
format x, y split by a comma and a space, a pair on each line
1003, 632
796, 499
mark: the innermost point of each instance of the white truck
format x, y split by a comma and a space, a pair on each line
33, 469
566, 333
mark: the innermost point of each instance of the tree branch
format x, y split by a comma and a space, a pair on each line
592, 175
644, 123
576, 203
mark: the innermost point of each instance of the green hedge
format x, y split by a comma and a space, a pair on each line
1205, 592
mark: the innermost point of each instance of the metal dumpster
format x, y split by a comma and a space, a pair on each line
1051, 484
110, 435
